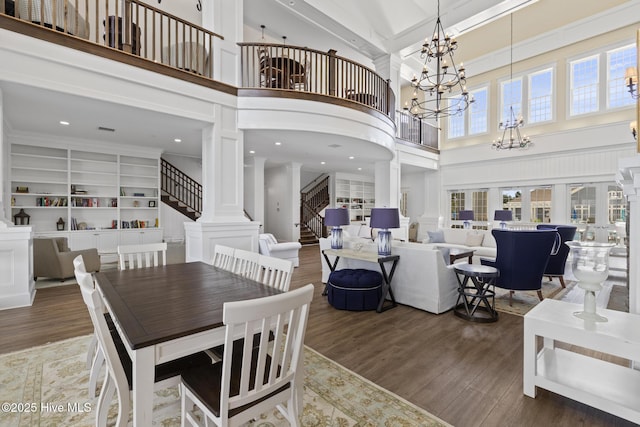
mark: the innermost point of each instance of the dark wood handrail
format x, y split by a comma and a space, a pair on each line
312, 202
294, 68
180, 186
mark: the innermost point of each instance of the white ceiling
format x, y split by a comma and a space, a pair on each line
359, 29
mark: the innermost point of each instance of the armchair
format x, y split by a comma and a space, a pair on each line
521, 258
557, 261
52, 258
287, 250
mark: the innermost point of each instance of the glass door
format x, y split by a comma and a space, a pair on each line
598, 210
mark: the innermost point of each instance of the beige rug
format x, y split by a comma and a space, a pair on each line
47, 386
523, 301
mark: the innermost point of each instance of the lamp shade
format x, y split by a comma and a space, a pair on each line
503, 215
385, 218
465, 215
335, 217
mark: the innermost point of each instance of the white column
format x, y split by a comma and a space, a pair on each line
294, 171
560, 213
387, 182
222, 220
225, 17
254, 188
388, 66
628, 178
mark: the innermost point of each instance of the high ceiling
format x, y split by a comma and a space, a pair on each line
359, 29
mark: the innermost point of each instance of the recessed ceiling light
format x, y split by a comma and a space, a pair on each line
177, 140
359, 169
278, 143
252, 152
63, 123
351, 157
322, 163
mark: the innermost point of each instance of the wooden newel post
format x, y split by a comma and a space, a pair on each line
332, 72
391, 101
126, 30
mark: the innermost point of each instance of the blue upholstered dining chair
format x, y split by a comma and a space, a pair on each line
521, 258
557, 261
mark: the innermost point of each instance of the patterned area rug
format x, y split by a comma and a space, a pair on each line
523, 301
47, 386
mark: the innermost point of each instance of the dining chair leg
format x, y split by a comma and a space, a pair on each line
102, 407
98, 361
91, 351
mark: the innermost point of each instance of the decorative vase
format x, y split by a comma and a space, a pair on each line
590, 265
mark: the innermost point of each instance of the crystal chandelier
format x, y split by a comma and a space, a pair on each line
444, 90
512, 124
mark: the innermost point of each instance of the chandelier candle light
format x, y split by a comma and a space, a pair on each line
384, 219
336, 217
444, 88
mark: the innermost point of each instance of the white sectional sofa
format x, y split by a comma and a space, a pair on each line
460, 238
421, 280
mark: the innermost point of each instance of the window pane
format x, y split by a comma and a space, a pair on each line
456, 122
584, 85
540, 96
616, 204
540, 204
512, 200
583, 204
479, 205
457, 204
618, 61
478, 112
511, 97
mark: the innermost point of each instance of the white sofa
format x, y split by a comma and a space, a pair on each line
460, 238
269, 246
421, 280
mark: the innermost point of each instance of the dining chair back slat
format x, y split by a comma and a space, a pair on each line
267, 374
223, 257
141, 256
246, 263
275, 272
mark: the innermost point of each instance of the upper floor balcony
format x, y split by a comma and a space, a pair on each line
138, 34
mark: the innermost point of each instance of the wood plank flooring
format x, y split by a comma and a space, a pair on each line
465, 373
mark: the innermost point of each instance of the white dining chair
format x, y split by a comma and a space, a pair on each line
275, 272
263, 377
223, 257
246, 263
95, 358
118, 379
141, 256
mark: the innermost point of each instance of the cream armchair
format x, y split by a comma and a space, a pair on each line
52, 258
287, 250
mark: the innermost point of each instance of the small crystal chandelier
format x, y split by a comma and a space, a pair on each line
438, 86
512, 124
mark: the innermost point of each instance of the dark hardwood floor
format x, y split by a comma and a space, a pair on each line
465, 373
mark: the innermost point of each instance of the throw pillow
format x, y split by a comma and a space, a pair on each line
436, 236
474, 239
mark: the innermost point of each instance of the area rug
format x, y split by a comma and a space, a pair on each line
523, 301
47, 386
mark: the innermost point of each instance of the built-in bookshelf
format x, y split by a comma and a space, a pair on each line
62, 189
357, 195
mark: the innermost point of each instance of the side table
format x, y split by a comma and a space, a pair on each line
456, 254
476, 301
371, 257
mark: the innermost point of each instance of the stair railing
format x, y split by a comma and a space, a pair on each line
312, 202
180, 186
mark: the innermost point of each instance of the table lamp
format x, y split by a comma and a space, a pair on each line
466, 216
503, 216
384, 219
335, 217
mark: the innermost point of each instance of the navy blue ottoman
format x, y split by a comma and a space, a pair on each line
354, 289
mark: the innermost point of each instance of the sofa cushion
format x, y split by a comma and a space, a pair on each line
435, 236
63, 245
474, 239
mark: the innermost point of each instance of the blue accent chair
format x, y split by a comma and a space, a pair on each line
557, 262
521, 258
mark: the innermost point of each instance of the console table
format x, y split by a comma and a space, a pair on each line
371, 257
607, 386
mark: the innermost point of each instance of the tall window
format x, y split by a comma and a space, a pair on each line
456, 123
479, 205
512, 200
511, 97
583, 204
457, 203
618, 61
540, 204
584, 85
541, 96
616, 204
478, 111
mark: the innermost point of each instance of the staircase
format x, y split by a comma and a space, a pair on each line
180, 191
313, 199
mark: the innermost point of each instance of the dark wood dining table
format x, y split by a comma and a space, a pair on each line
164, 313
